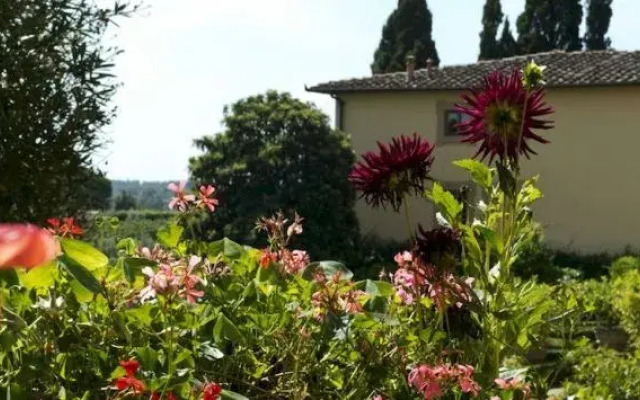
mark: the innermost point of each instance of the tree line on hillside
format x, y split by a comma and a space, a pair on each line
544, 25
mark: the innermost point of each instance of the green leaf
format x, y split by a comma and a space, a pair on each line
480, 173
376, 288
336, 377
492, 237
507, 180
41, 277
133, 265
9, 277
225, 329
211, 353
226, 247
141, 314
147, 357
83, 294
169, 236
81, 274
330, 268
446, 201
128, 245
83, 254
227, 394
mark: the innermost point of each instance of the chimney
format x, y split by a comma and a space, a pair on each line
430, 67
411, 68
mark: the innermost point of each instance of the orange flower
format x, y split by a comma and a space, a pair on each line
25, 245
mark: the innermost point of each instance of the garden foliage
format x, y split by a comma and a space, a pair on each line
195, 318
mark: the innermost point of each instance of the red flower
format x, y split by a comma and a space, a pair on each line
503, 116
126, 383
130, 367
66, 228
211, 391
129, 381
24, 245
398, 169
267, 257
205, 198
437, 244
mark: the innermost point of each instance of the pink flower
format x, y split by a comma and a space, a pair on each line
432, 380
205, 198
402, 258
350, 301
468, 385
294, 261
161, 282
25, 245
189, 280
181, 200
192, 295
514, 384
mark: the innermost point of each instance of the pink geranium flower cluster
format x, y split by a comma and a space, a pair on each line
184, 202
433, 381
335, 296
290, 261
280, 233
173, 277
515, 385
415, 279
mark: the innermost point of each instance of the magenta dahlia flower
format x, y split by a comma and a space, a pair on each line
397, 169
503, 115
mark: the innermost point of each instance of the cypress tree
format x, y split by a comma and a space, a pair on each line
407, 32
550, 24
491, 20
599, 14
508, 45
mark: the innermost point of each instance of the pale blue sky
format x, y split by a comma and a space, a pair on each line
185, 59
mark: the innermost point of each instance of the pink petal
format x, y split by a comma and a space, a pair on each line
25, 245
173, 187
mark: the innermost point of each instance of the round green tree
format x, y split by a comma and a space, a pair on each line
280, 153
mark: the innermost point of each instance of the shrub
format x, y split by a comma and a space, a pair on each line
604, 374
57, 83
626, 303
623, 265
274, 155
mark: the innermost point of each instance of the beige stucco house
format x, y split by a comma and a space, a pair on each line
589, 173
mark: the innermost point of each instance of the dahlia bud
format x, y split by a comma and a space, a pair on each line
532, 75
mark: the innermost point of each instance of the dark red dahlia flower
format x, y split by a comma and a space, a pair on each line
438, 246
503, 116
400, 168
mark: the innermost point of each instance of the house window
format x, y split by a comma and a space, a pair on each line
451, 120
448, 119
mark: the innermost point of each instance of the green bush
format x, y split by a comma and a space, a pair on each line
626, 303
623, 265
603, 374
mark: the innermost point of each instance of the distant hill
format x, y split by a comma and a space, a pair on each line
150, 195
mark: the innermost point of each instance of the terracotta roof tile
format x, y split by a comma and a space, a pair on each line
564, 69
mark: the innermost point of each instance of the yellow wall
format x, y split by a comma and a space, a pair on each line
590, 172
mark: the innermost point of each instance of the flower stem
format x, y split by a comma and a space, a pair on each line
407, 215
